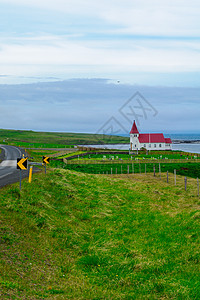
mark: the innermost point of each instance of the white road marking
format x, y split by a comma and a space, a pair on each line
6, 175
20, 153
4, 149
8, 163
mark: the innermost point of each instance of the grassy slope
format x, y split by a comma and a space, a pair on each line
52, 139
70, 235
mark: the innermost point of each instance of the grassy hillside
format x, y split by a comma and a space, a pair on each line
71, 235
55, 139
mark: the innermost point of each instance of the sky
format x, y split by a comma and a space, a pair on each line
97, 55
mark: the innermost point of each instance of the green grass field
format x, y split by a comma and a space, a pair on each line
107, 155
70, 235
154, 155
31, 139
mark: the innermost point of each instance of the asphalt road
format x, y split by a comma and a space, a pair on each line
8, 167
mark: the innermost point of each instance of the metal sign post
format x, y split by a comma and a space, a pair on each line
22, 164
46, 161
20, 179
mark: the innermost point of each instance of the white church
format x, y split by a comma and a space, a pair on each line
149, 141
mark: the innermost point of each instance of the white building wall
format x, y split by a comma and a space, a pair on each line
135, 144
168, 146
154, 146
149, 146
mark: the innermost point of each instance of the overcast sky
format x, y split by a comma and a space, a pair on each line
111, 49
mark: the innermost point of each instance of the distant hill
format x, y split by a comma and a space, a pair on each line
56, 139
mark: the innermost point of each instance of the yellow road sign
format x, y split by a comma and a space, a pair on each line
22, 163
46, 159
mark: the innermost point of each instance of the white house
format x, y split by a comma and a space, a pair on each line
149, 141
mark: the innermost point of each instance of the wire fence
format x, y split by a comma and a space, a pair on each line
140, 161
172, 172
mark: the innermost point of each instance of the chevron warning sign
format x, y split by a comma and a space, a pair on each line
46, 160
22, 163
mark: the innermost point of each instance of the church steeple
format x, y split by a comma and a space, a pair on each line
134, 137
134, 129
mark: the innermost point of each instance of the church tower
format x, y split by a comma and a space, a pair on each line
134, 135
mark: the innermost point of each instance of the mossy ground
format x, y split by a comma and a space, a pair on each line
71, 235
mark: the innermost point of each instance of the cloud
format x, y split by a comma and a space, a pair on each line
157, 18
170, 18
110, 39
50, 51
86, 105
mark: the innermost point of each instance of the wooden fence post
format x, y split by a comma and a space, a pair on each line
111, 171
175, 176
132, 168
198, 186
160, 170
128, 169
185, 183
116, 170
145, 169
154, 171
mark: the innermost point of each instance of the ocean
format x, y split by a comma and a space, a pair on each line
184, 137
186, 147
192, 148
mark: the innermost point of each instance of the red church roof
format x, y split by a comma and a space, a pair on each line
147, 138
151, 138
168, 141
134, 128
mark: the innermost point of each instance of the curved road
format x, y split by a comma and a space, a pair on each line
8, 168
